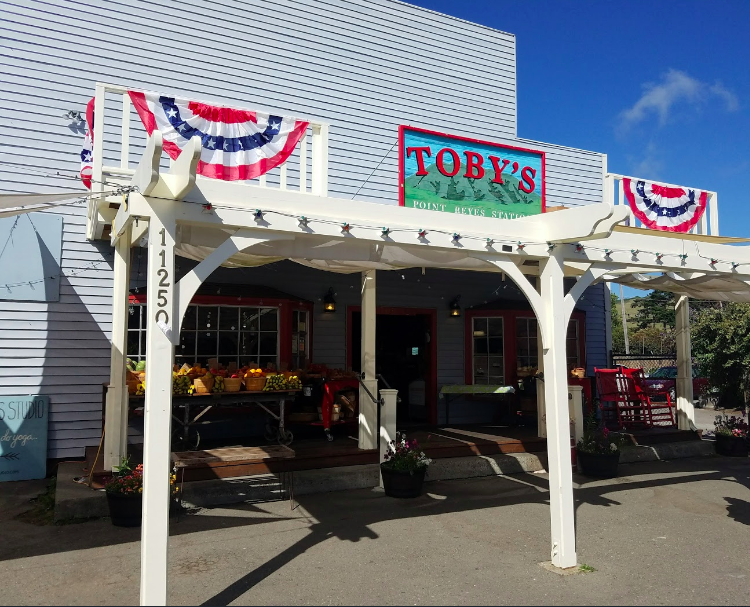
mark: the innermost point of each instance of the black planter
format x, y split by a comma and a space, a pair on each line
732, 446
599, 465
125, 510
402, 484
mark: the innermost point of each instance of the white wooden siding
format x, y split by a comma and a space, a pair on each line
364, 66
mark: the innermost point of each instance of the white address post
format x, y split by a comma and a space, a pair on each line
158, 408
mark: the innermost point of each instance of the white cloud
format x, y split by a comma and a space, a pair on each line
675, 87
649, 165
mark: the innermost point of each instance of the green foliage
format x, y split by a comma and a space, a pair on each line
653, 340
597, 438
584, 568
618, 335
655, 308
721, 344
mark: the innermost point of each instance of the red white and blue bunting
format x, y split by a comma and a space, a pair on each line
87, 152
665, 208
237, 144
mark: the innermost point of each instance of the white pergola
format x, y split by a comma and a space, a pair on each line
236, 224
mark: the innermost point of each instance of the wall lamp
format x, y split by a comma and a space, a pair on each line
329, 301
455, 307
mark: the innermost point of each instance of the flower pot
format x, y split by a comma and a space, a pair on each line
600, 465
402, 484
732, 446
125, 510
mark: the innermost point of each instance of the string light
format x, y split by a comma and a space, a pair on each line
258, 214
385, 232
422, 233
714, 261
490, 242
345, 227
303, 221
607, 252
550, 246
659, 256
634, 252
208, 207
579, 248
520, 246
735, 265
456, 237
683, 256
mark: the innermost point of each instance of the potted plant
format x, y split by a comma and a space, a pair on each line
404, 468
731, 435
125, 494
598, 451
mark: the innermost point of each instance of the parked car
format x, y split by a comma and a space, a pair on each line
664, 378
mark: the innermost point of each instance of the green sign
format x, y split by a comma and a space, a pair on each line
23, 437
454, 174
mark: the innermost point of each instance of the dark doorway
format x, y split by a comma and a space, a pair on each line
403, 358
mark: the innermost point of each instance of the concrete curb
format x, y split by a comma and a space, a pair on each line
73, 500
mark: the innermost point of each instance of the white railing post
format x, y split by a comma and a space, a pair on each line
317, 160
713, 212
303, 163
125, 130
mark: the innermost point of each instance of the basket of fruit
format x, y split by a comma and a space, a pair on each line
255, 381
275, 382
232, 384
294, 383
204, 385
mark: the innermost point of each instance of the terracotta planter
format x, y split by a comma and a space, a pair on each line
402, 484
125, 510
731, 446
598, 465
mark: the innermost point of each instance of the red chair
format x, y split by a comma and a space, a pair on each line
660, 411
622, 404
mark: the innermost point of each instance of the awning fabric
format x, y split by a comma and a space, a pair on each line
692, 284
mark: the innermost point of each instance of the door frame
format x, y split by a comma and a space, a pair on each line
431, 385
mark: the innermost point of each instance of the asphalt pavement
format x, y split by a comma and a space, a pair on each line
664, 533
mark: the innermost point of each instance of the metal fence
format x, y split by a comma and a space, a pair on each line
649, 363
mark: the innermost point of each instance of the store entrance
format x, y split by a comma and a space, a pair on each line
404, 343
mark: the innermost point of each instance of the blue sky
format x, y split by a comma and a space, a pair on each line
663, 88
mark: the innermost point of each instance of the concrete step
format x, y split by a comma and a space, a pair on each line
74, 500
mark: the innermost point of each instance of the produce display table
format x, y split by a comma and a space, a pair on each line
268, 401
449, 392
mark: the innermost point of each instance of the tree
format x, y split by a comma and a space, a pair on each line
655, 308
721, 344
653, 340
618, 335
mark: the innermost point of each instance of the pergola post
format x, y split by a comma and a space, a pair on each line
387, 422
158, 407
116, 414
368, 410
684, 383
554, 321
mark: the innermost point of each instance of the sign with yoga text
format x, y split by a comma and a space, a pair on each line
453, 174
23, 437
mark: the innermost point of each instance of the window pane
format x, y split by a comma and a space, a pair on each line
521, 327
249, 344
496, 345
228, 343
480, 327
187, 346
480, 369
532, 327
268, 344
480, 345
573, 329
134, 317
249, 319
133, 344
208, 317
268, 319
228, 318
206, 343
265, 361
188, 323
143, 344
495, 326
225, 360
496, 367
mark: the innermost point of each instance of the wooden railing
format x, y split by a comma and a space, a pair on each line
615, 194
119, 141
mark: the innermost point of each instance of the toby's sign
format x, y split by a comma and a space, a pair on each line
454, 174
